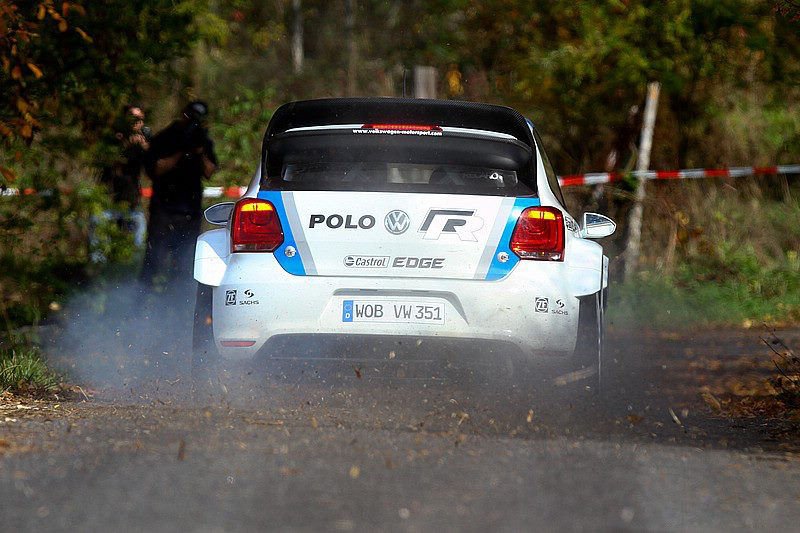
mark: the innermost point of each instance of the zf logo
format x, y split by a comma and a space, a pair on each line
230, 297
541, 305
463, 223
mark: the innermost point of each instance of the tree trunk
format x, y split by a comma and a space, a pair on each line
424, 82
297, 36
352, 50
642, 165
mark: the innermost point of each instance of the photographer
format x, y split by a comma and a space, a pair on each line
180, 157
129, 144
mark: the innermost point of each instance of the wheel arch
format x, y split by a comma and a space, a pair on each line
211, 257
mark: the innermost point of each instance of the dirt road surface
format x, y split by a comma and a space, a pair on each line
390, 445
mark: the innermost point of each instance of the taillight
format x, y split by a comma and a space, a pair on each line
401, 127
539, 234
255, 226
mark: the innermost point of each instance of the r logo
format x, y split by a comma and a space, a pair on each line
462, 222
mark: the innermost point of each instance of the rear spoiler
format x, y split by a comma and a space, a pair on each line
451, 113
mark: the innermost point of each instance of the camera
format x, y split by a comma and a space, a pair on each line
194, 135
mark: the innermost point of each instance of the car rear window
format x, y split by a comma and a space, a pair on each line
445, 163
449, 176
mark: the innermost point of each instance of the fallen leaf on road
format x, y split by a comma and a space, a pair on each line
530, 416
461, 415
181, 450
355, 472
634, 419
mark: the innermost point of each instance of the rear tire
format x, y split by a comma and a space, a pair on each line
205, 357
588, 355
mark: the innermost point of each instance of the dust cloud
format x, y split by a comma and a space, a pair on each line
125, 344
125, 339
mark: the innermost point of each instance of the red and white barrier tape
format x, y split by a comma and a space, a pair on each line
594, 178
147, 192
597, 178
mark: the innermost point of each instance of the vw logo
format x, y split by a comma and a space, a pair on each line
396, 222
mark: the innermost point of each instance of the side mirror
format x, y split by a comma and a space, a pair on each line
597, 226
218, 214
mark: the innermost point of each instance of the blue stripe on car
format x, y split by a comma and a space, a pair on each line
497, 269
294, 264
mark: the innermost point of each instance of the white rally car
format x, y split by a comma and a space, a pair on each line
402, 217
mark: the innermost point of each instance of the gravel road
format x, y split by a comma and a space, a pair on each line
391, 445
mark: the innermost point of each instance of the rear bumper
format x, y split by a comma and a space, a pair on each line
257, 301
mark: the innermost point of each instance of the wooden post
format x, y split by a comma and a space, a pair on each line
424, 82
642, 165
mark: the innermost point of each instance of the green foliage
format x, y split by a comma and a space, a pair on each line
85, 77
43, 238
22, 370
238, 131
203, 22
607, 52
87, 61
578, 69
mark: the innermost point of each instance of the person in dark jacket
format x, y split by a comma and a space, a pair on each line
122, 177
181, 156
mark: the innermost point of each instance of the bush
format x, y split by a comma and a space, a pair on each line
22, 370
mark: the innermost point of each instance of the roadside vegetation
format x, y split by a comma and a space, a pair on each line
23, 370
718, 253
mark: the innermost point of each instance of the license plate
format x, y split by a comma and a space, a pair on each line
403, 312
